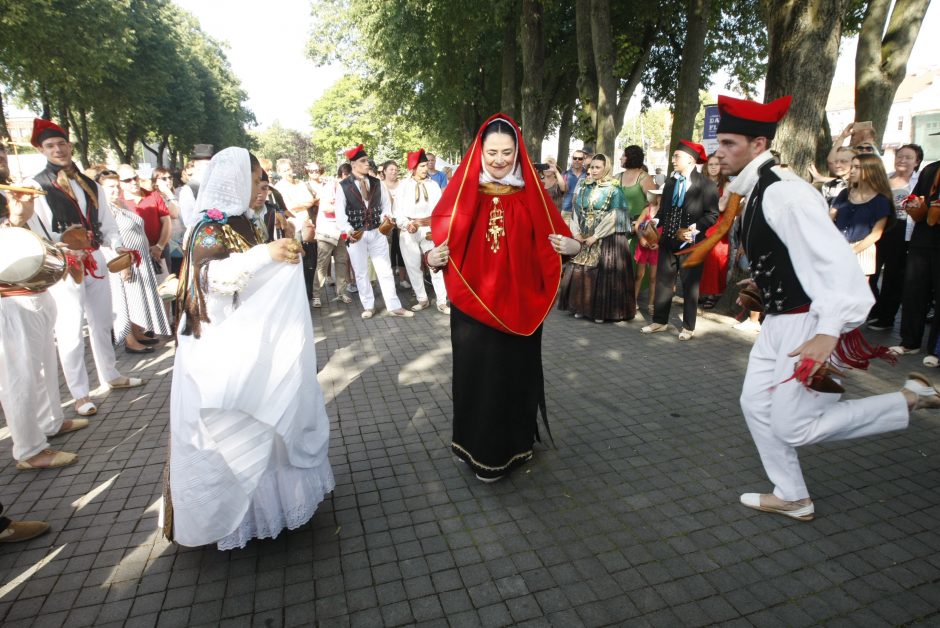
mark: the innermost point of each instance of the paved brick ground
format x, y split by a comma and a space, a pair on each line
631, 519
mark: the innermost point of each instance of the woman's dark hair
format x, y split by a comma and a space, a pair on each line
500, 127
917, 151
106, 174
599, 157
255, 164
390, 162
634, 155
264, 175
343, 171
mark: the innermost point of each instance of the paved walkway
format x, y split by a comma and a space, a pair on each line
631, 519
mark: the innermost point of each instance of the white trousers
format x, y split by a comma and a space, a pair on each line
412, 246
373, 245
29, 375
88, 301
784, 416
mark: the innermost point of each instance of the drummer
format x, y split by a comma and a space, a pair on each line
75, 201
29, 375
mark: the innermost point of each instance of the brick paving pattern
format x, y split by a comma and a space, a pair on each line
631, 519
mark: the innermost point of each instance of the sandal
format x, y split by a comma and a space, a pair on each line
686, 334
126, 382
87, 409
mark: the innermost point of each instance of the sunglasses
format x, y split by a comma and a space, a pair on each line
131, 180
865, 148
165, 178
577, 159
313, 170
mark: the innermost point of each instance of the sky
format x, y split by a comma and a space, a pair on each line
267, 43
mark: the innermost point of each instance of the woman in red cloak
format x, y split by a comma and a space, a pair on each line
499, 240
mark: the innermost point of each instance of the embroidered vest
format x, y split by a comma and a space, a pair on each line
771, 267
365, 214
65, 210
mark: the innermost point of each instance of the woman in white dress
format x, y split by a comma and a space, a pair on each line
249, 433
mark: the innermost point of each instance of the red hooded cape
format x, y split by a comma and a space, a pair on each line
514, 288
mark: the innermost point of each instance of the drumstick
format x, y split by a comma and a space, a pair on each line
22, 190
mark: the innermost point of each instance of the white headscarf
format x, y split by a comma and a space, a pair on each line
514, 178
226, 183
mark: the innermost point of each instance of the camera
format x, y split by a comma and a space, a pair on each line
541, 167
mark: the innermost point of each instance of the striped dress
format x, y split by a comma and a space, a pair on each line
136, 301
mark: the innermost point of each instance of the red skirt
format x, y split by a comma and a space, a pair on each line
715, 268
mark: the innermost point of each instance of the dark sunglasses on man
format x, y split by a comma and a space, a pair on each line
864, 148
131, 180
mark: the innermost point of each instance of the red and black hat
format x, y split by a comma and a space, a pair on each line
746, 117
43, 130
356, 152
696, 150
416, 157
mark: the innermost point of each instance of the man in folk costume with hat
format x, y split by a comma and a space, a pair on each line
362, 205
814, 295
75, 204
415, 199
689, 207
29, 375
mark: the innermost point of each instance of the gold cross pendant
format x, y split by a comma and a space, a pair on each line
495, 230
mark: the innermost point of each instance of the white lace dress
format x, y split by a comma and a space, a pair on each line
249, 429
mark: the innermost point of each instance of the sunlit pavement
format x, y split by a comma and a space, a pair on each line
632, 518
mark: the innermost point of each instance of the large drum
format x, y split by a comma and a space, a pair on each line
27, 261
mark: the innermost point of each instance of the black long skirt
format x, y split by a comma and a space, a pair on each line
498, 392
605, 292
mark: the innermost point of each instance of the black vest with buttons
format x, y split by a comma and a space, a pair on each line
771, 267
365, 214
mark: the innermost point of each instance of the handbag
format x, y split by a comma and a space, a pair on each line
649, 232
386, 227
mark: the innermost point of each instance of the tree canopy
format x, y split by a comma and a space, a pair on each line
118, 72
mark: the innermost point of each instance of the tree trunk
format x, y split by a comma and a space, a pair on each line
803, 43
823, 146
881, 62
534, 106
509, 82
4, 131
605, 59
587, 70
164, 143
636, 74
64, 114
564, 135
80, 128
690, 71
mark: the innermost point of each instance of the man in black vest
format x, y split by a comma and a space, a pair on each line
689, 207
73, 201
815, 297
362, 204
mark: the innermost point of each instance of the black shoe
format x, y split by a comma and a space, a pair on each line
879, 326
144, 350
149, 341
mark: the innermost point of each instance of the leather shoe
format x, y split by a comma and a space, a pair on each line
368, 313
794, 510
23, 531
149, 341
59, 459
71, 425
421, 305
143, 350
654, 328
401, 312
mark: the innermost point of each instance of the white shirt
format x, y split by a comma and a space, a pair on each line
41, 222
406, 208
822, 258
339, 204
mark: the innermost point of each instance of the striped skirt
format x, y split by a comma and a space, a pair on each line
136, 301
